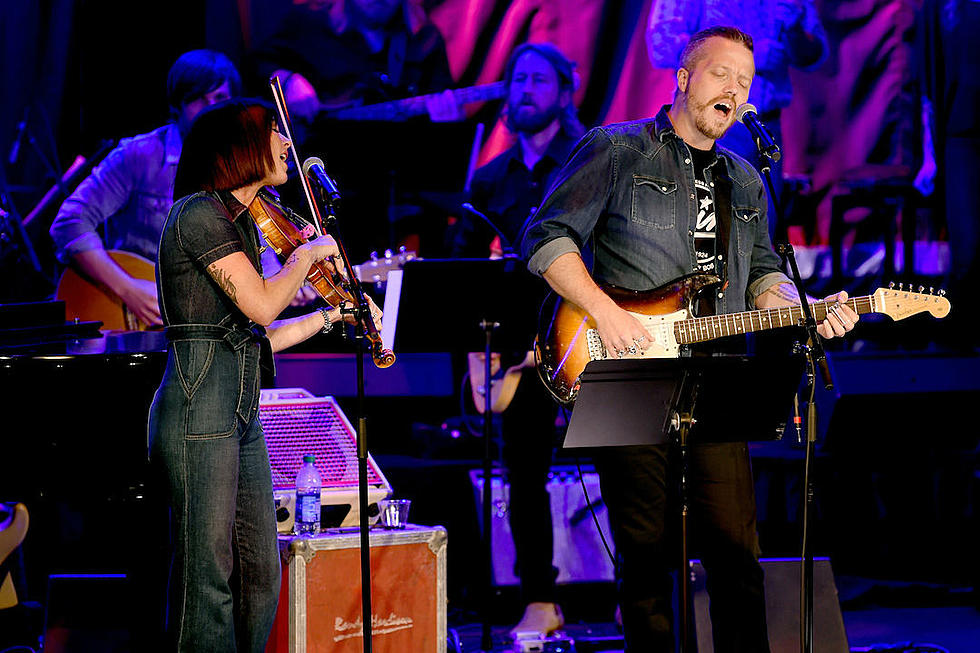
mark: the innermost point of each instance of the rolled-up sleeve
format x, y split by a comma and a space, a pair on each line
569, 212
99, 196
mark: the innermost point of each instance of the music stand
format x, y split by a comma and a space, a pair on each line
465, 305
655, 401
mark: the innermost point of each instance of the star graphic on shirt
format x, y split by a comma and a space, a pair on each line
705, 203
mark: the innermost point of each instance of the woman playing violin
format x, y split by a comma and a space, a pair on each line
204, 429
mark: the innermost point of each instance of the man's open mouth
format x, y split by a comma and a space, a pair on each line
724, 107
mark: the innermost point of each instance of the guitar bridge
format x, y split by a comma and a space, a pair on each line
596, 350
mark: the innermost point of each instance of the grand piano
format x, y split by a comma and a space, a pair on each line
73, 448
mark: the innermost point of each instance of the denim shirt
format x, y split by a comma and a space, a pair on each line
630, 187
131, 191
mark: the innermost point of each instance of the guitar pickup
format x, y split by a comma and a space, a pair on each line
596, 350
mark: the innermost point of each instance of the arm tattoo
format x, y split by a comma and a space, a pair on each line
292, 260
224, 281
785, 292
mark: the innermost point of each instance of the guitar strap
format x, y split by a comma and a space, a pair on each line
723, 216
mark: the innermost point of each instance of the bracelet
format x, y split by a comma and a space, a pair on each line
327, 324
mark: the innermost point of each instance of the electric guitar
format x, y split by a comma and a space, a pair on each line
375, 270
90, 301
503, 382
398, 110
570, 341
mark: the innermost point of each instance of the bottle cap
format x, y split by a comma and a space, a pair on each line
309, 458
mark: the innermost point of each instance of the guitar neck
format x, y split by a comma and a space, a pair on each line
702, 329
416, 106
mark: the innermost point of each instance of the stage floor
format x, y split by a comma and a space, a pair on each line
884, 617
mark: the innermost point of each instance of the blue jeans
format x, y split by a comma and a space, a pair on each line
206, 438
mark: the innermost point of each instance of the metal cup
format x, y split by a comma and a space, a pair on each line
394, 513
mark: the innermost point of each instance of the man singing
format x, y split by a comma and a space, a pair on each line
659, 200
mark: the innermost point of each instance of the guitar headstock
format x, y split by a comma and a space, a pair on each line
900, 303
376, 269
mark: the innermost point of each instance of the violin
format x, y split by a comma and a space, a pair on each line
285, 230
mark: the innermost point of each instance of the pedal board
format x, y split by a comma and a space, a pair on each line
556, 642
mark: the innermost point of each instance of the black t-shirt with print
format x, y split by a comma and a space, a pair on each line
706, 229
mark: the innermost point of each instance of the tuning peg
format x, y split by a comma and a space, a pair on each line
891, 285
942, 293
931, 291
402, 250
921, 288
387, 253
900, 286
374, 255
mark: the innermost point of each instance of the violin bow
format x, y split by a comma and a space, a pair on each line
280, 100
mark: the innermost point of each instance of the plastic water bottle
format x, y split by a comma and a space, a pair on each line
308, 485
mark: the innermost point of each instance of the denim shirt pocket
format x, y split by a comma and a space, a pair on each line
654, 202
208, 371
746, 223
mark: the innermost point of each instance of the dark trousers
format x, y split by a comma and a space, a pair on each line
638, 487
528, 433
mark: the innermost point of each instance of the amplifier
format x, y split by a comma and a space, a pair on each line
579, 553
296, 423
783, 607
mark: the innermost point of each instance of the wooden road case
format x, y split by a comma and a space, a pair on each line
320, 602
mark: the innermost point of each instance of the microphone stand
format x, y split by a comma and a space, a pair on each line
816, 359
488, 327
361, 311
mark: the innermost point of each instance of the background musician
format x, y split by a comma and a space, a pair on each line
540, 113
332, 55
130, 192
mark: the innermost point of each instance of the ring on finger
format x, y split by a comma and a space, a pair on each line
836, 311
631, 349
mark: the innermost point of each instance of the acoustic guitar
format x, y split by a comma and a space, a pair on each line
570, 341
89, 301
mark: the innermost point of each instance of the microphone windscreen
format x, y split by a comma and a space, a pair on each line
310, 162
739, 113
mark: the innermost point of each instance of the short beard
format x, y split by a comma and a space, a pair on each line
532, 123
703, 125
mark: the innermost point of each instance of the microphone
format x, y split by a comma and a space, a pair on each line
313, 168
748, 116
504, 241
